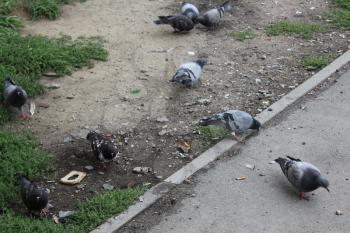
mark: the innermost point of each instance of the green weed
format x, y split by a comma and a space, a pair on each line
212, 132
293, 28
243, 35
316, 62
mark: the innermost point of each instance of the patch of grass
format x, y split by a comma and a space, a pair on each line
6, 6
19, 153
243, 35
88, 215
212, 132
316, 62
294, 28
340, 14
50, 9
25, 59
135, 90
10, 22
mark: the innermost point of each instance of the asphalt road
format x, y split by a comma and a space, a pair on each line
265, 201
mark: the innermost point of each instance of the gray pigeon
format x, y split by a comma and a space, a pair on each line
178, 22
15, 96
212, 17
104, 147
190, 10
304, 176
235, 121
189, 73
33, 196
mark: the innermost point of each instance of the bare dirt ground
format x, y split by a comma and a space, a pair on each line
249, 75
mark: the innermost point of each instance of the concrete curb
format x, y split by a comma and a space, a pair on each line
158, 191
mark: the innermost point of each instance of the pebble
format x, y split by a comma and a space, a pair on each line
65, 214
338, 212
108, 187
204, 101
162, 132
89, 168
162, 119
142, 170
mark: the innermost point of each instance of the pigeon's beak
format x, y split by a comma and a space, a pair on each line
327, 189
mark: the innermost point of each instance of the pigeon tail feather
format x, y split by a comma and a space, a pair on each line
202, 62
294, 159
163, 20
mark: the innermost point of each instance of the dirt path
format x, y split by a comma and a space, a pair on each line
138, 59
248, 75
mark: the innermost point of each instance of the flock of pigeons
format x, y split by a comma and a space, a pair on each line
190, 16
304, 176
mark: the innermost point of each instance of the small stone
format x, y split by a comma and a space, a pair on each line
162, 119
303, 143
298, 14
65, 214
338, 212
81, 186
89, 168
101, 173
204, 101
250, 166
191, 53
257, 80
142, 170
162, 132
67, 139
159, 177
53, 86
108, 187
43, 104
70, 97
187, 181
193, 195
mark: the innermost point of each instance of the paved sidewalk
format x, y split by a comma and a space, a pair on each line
265, 202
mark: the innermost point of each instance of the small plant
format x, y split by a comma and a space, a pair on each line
11, 22
243, 35
50, 9
316, 62
212, 132
135, 90
340, 14
290, 28
6, 6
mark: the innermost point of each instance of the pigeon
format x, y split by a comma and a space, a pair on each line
190, 10
190, 73
304, 176
235, 121
212, 17
15, 96
178, 22
33, 196
104, 147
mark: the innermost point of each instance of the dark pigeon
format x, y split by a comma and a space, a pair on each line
15, 96
178, 22
237, 122
104, 148
212, 17
304, 176
188, 74
190, 10
33, 196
